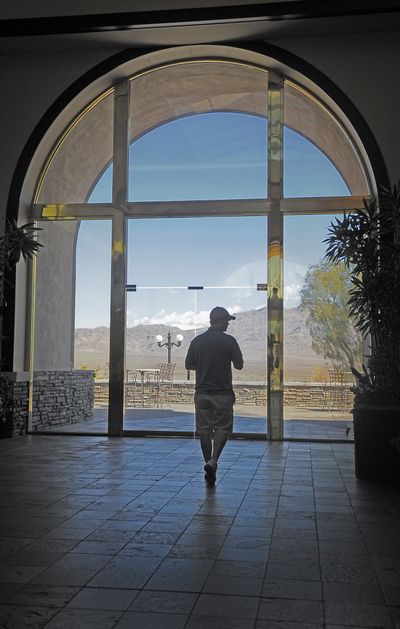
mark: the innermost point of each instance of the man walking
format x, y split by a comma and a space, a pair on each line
211, 356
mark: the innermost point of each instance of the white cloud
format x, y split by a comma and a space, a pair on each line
292, 295
294, 276
234, 309
187, 320
184, 320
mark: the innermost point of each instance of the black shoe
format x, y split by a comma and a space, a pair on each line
210, 473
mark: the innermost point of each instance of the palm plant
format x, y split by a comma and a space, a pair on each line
367, 241
17, 242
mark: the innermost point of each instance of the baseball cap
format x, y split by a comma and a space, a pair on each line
218, 313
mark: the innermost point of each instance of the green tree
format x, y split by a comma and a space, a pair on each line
324, 298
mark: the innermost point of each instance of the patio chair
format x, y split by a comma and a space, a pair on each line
165, 379
339, 387
133, 397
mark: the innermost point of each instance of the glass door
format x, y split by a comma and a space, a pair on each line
178, 270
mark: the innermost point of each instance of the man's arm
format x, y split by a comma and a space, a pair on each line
239, 364
237, 356
189, 360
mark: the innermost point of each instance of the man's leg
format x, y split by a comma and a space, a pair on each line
223, 422
204, 414
206, 444
220, 439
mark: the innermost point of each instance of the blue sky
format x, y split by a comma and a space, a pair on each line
208, 156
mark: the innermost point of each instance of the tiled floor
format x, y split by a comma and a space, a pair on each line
102, 533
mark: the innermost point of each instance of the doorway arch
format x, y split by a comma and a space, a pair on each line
170, 86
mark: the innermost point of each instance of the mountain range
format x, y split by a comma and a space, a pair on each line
249, 329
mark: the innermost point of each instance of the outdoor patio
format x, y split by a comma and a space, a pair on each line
297, 425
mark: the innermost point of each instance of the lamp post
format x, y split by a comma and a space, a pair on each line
169, 344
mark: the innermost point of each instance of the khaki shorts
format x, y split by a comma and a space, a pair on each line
214, 412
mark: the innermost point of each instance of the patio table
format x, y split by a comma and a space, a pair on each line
144, 371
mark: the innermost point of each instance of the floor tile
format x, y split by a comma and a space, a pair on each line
164, 602
19, 574
353, 593
357, 615
103, 598
213, 622
292, 589
226, 606
347, 568
12, 617
277, 624
151, 621
52, 596
240, 586
84, 619
291, 610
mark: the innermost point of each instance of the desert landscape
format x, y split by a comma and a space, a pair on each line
301, 363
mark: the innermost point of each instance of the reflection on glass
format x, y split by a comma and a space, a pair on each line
83, 154
275, 306
319, 157
320, 341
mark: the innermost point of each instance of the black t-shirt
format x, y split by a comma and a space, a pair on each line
211, 355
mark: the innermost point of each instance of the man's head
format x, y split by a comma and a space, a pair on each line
220, 317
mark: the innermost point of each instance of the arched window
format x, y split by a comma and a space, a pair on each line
250, 165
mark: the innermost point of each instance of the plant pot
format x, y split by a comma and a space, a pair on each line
377, 444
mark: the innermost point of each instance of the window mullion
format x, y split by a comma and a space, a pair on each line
118, 260
275, 255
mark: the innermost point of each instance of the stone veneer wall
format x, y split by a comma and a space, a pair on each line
13, 405
300, 395
20, 405
62, 397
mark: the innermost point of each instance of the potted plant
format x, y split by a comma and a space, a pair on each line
367, 241
16, 242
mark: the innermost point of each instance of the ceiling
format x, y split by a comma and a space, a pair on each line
61, 26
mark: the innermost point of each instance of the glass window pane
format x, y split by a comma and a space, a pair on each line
319, 157
72, 306
199, 131
320, 342
80, 158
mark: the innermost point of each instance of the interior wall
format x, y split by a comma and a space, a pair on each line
30, 84
365, 68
